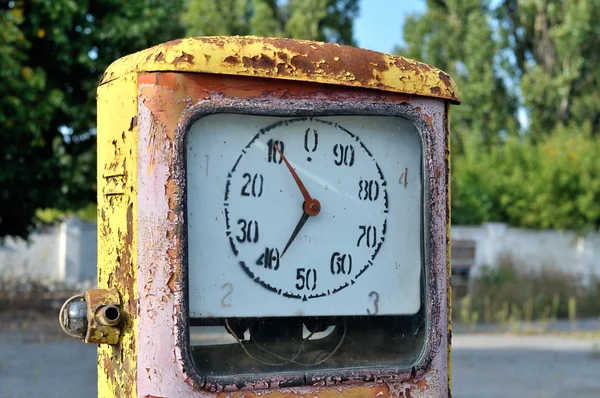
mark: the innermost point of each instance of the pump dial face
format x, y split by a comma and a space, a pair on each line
304, 216
319, 252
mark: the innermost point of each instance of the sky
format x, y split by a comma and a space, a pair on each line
379, 28
379, 24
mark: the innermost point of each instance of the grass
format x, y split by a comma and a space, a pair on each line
521, 300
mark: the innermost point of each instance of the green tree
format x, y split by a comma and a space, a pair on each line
457, 37
556, 63
553, 182
539, 56
323, 20
52, 55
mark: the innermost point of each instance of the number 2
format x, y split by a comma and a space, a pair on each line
224, 301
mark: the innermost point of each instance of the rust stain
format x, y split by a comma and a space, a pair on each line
170, 193
167, 81
380, 391
428, 120
259, 62
160, 57
446, 79
171, 283
231, 59
98, 333
184, 57
132, 124
171, 216
167, 100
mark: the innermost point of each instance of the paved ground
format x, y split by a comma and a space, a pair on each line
485, 365
543, 366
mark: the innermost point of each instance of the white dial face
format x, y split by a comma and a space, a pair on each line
303, 216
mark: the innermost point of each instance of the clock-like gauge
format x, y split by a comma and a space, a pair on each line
320, 176
304, 216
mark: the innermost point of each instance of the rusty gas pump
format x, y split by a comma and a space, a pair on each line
273, 220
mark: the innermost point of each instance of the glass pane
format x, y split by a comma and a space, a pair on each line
276, 285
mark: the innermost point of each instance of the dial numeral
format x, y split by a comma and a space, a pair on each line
273, 155
248, 231
403, 180
344, 155
312, 138
340, 264
375, 296
253, 185
368, 235
226, 300
269, 259
306, 278
368, 190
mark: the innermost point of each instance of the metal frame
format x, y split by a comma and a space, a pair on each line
141, 228
279, 107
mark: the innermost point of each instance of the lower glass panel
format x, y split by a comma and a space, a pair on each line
238, 346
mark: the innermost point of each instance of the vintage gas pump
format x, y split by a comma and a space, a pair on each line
273, 220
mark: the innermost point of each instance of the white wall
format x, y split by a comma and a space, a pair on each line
534, 250
37, 259
68, 252
62, 253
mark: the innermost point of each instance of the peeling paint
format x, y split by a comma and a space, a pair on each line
288, 59
117, 225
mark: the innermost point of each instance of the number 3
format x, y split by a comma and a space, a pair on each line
375, 303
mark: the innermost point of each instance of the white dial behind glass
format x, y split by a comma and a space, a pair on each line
255, 246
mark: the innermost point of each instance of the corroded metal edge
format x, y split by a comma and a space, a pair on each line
289, 59
433, 296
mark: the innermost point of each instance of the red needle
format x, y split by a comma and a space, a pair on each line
312, 207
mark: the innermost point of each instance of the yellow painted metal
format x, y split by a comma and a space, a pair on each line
117, 227
289, 59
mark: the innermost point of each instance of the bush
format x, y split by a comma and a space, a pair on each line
553, 183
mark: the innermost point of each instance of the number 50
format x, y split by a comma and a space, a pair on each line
306, 278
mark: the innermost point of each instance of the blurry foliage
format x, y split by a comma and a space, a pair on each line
538, 56
323, 20
542, 57
50, 216
52, 54
551, 183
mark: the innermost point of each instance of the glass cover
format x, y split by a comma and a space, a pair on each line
305, 243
